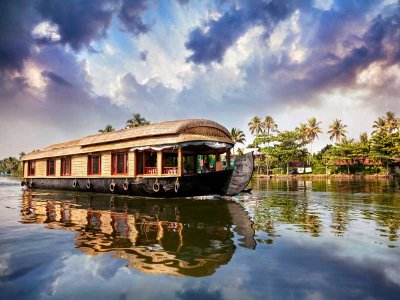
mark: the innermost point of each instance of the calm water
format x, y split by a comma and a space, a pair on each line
287, 240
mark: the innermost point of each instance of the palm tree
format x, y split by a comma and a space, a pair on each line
363, 138
379, 125
313, 130
237, 136
337, 130
391, 121
255, 125
269, 125
136, 121
21, 154
303, 130
108, 128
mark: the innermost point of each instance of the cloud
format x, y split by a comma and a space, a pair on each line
130, 16
150, 98
15, 34
56, 78
143, 55
79, 22
210, 43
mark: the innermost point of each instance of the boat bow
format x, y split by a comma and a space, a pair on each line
241, 175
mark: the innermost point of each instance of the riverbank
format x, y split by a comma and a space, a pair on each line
325, 176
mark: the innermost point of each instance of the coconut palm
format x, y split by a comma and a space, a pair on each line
379, 125
363, 138
136, 121
337, 130
237, 136
391, 121
269, 125
303, 130
312, 130
256, 125
108, 128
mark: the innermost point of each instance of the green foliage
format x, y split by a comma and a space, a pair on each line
136, 121
108, 128
289, 146
10, 166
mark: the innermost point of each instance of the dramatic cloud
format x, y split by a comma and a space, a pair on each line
79, 22
70, 67
130, 16
15, 33
210, 43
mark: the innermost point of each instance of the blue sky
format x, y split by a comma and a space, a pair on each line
71, 67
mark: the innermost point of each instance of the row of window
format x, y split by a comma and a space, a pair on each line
119, 165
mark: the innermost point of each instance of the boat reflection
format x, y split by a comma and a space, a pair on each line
182, 237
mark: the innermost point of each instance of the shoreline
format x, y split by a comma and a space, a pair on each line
324, 176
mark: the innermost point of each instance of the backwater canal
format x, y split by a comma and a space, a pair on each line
288, 239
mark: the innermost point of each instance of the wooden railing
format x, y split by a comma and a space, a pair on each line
170, 170
150, 170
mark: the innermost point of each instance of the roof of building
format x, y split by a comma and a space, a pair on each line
170, 132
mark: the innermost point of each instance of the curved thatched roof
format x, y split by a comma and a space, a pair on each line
171, 132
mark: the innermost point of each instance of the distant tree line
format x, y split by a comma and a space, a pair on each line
282, 149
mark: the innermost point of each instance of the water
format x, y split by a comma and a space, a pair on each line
289, 239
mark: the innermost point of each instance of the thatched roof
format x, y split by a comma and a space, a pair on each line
171, 132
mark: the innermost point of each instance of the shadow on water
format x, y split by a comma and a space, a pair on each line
190, 237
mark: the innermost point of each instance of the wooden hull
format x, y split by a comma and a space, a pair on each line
225, 182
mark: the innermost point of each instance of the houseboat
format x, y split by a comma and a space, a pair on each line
168, 159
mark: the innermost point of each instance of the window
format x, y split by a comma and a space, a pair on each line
31, 168
51, 167
65, 166
94, 165
119, 163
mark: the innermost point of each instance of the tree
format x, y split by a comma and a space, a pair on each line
136, 121
380, 126
384, 147
269, 125
289, 146
237, 136
313, 129
255, 125
337, 130
108, 128
391, 122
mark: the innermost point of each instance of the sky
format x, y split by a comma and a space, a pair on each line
68, 68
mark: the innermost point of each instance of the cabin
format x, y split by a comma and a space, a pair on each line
167, 149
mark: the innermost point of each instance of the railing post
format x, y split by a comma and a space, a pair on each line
180, 161
159, 163
134, 154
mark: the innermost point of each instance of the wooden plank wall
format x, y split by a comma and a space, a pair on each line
40, 168
131, 163
58, 166
106, 164
79, 165
25, 169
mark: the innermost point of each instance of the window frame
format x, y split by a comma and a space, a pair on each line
114, 163
63, 166
90, 164
48, 167
31, 166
